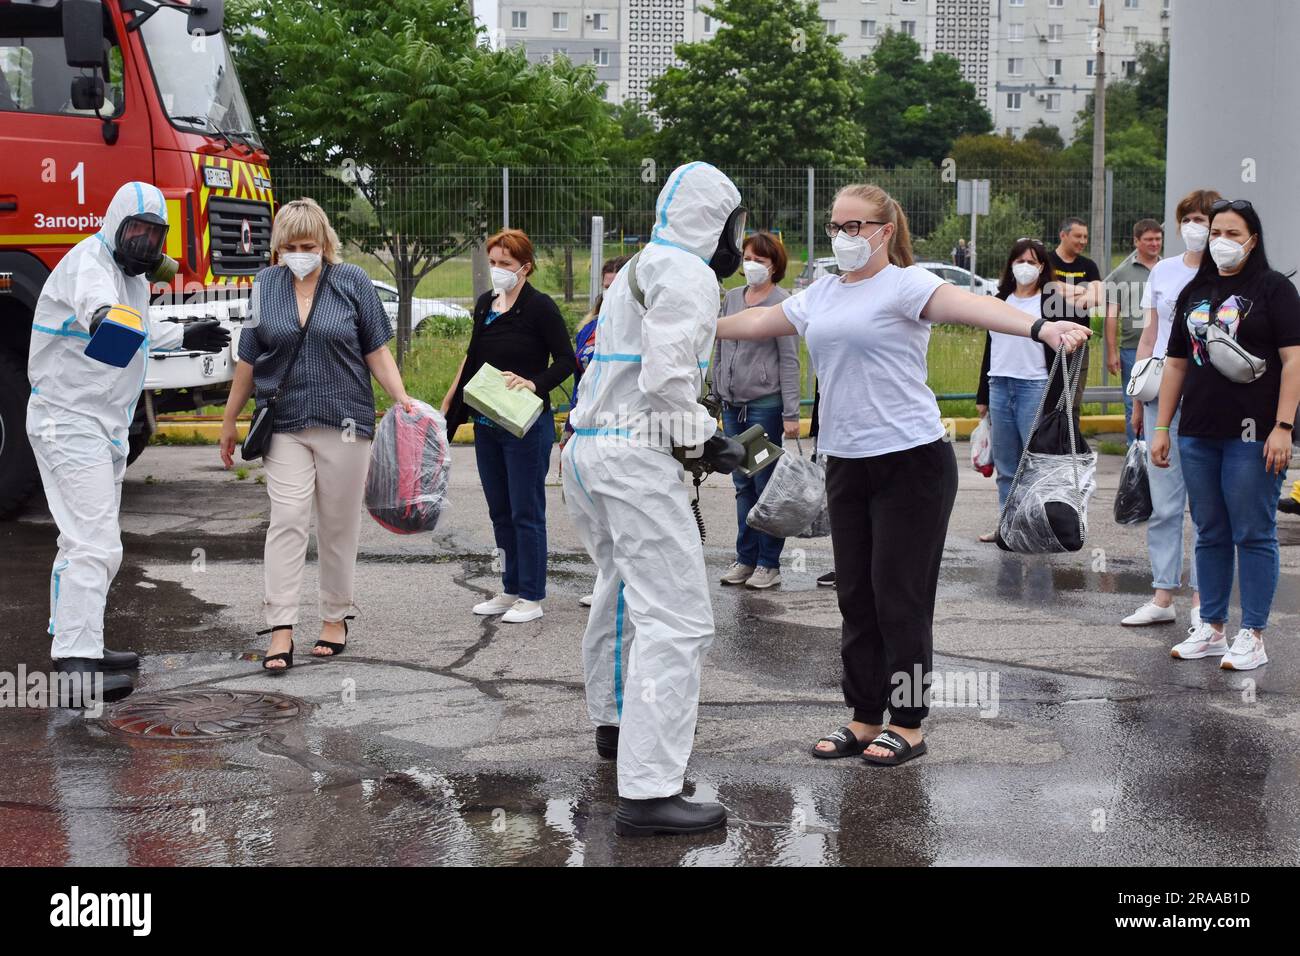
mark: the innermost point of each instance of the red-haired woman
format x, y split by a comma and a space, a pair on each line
521, 332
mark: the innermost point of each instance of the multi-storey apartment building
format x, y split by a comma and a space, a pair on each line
1029, 60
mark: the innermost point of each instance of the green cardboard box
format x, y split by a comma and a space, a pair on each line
514, 410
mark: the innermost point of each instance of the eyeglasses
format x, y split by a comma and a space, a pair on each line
1236, 205
850, 228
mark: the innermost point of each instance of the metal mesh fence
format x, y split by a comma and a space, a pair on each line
419, 225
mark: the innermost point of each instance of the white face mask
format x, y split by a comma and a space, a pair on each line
1194, 235
755, 272
1025, 272
1226, 253
853, 252
503, 280
301, 264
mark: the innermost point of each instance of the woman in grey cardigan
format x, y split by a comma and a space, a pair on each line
758, 382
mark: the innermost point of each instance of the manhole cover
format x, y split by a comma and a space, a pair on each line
202, 714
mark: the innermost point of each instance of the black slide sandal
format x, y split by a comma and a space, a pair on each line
846, 745
902, 750
287, 656
335, 649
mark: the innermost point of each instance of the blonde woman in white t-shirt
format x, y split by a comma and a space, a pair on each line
1168, 493
891, 473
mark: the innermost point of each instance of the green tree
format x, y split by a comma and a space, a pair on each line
1137, 116
1006, 222
384, 94
771, 89
912, 109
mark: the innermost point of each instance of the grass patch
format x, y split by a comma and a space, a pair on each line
1112, 447
169, 438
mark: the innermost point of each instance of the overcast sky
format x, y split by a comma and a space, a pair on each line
486, 11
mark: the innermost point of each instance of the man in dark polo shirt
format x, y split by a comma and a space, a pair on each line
1080, 281
1124, 314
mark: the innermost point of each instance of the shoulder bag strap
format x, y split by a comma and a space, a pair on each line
324, 273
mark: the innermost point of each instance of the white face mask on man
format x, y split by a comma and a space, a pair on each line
853, 252
1194, 235
301, 264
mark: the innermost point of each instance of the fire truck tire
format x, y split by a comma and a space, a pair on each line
19, 477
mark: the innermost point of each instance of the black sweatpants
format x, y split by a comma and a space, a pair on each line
889, 517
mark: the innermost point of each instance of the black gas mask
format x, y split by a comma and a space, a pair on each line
137, 248
726, 258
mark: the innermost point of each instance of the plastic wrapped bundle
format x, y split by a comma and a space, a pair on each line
1133, 497
409, 466
793, 499
1047, 509
981, 448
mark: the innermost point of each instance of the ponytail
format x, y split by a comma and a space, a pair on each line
889, 211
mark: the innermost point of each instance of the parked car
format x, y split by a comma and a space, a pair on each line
960, 277
825, 266
421, 309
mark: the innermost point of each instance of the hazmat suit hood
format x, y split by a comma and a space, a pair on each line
133, 199
693, 207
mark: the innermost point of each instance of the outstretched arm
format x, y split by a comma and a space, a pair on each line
951, 304
760, 322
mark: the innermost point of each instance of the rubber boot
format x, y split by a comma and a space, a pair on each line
666, 816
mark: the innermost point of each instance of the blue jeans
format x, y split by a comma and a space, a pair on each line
1234, 505
1013, 402
1168, 503
1127, 359
513, 474
754, 548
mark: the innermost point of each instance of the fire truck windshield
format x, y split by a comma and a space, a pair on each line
197, 80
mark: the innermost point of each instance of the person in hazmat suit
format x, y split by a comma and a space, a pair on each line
91, 337
651, 619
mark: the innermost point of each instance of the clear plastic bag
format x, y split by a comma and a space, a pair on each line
981, 448
794, 500
821, 525
1047, 509
406, 487
1133, 497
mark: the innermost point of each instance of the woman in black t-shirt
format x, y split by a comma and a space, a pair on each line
1235, 435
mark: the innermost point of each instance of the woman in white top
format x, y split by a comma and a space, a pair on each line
891, 474
1168, 493
1013, 375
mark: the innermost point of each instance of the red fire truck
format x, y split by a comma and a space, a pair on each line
96, 93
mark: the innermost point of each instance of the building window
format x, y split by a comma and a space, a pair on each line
1130, 69
1132, 4
1164, 34
600, 57
1016, 3
1091, 67
519, 19
1056, 3
1013, 131
1055, 32
559, 21
1054, 67
868, 29
600, 21
1016, 66
1130, 35
1053, 102
909, 27
1013, 101
1015, 32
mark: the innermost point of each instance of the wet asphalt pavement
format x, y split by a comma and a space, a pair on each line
442, 738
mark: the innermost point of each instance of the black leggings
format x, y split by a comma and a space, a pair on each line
889, 518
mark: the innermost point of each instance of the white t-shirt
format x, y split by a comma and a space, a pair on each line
868, 343
1168, 278
1018, 356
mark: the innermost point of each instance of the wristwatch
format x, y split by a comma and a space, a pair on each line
1035, 329
1287, 425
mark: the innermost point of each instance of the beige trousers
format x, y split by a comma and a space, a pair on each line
315, 466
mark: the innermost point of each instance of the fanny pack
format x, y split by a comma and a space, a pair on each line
1144, 381
1228, 357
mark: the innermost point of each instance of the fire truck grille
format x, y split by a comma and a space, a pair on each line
240, 232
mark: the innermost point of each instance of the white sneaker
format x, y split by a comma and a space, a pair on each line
738, 573
1150, 613
498, 605
587, 600
1203, 641
521, 612
764, 578
1196, 618
1247, 652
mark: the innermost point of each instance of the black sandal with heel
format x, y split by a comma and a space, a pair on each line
287, 656
335, 649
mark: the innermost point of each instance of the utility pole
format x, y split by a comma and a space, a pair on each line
1097, 223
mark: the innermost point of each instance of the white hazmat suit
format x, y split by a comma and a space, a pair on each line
78, 419
651, 620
